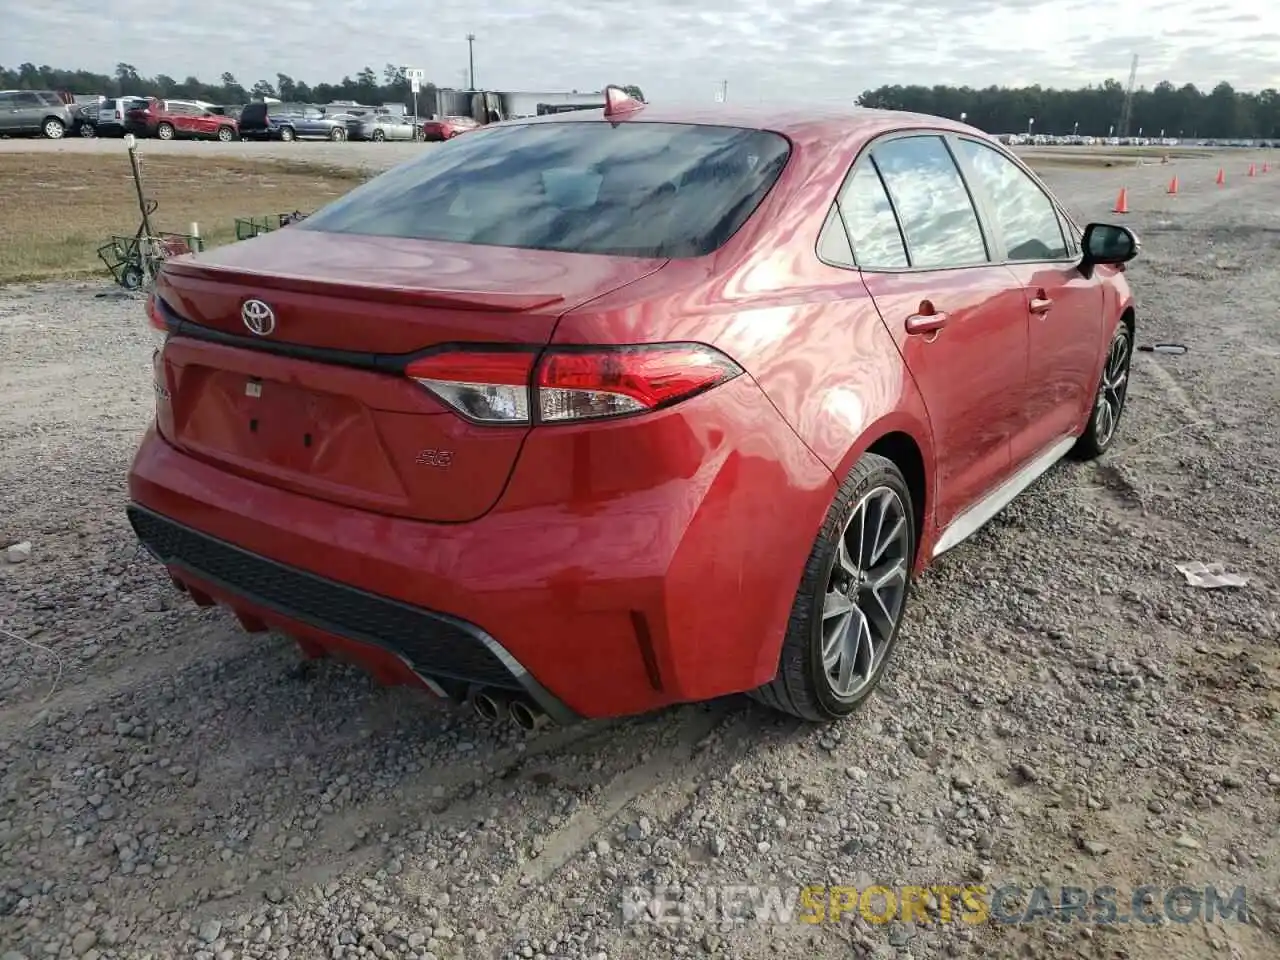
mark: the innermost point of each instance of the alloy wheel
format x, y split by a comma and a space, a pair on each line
54, 130
164, 132
1111, 392
865, 591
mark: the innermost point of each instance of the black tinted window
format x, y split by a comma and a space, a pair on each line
635, 189
933, 205
1026, 216
873, 229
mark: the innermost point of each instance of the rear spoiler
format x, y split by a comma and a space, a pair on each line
409, 296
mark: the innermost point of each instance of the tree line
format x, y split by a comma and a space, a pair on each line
1223, 113
1186, 111
368, 86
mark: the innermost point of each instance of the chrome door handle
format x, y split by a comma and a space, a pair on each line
924, 323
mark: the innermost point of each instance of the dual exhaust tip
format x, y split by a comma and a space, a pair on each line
493, 706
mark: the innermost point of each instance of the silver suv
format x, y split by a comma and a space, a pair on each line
43, 112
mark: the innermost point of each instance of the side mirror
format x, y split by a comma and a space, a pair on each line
1109, 243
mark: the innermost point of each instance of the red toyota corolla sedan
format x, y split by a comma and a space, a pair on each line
589, 414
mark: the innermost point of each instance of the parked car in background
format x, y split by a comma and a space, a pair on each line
292, 121
112, 114
446, 128
383, 126
589, 415
48, 113
179, 119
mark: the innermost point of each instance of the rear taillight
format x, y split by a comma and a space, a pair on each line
160, 333
156, 322
489, 387
570, 384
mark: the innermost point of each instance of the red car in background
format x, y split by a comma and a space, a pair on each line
597, 413
446, 128
174, 119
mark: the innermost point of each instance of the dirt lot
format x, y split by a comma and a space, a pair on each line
1064, 708
60, 207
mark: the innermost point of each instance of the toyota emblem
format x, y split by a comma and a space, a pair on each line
258, 317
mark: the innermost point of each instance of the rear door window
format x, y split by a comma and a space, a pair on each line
933, 204
869, 218
635, 189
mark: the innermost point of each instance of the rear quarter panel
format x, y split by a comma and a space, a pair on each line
808, 333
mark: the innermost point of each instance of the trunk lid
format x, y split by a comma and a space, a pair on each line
320, 404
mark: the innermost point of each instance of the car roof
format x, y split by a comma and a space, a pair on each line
816, 124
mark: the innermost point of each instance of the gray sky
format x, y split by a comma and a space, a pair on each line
676, 51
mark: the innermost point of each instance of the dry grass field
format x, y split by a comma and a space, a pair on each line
59, 208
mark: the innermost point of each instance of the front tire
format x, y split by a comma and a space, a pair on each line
88, 131
845, 619
286, 134
1108, 402
226, 134
337, 134
165, 131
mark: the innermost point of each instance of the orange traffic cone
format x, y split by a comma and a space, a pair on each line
1122, 201
1222, 177
1253, 170
1173, 186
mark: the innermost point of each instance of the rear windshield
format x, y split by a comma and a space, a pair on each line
634, 189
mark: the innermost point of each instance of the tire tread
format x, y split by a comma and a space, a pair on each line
791, 691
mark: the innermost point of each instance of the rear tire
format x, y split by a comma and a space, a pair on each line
226, 134
88, 131
337, 134
378, 136
165, 131
843, 570
53, 129
1108, 402
286, 134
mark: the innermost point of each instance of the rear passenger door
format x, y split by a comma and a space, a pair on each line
311, 124
8, 112
1064, 307
959, 320
28, 112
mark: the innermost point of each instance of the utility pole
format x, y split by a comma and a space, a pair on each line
471, 58
722, 94
1126, 112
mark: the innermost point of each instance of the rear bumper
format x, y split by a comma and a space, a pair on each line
597, 585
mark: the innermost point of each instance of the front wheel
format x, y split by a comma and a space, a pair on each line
378, 136
845, 618
88, 130
337, 134
1108, 403
165, 131
226, 134
286, 134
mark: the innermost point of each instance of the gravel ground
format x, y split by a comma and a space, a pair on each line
1064, 708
